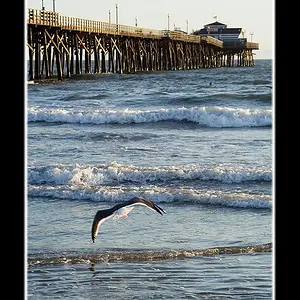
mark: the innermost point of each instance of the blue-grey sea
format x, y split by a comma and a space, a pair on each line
199, 143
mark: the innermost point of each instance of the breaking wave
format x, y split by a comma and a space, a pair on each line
94, 175
206, 116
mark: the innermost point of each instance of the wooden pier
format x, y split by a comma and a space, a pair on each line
61, 46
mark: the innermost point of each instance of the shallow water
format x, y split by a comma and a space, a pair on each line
237, 276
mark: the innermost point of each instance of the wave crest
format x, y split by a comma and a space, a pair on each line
214, 116
94, 175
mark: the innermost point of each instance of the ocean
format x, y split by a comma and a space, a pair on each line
199, 143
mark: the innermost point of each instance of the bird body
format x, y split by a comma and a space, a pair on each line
121, 211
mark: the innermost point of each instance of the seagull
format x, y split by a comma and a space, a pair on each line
121, 211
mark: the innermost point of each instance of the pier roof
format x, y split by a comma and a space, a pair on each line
215, 24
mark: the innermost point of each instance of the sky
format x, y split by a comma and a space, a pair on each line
255, 17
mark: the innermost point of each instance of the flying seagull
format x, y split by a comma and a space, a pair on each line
121, 211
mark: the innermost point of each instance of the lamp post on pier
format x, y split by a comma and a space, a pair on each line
135, 21
168, 21
53, 5
251, 33
43, 7
117, 17
109, 17
187, 26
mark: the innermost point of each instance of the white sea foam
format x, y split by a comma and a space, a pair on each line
31, 82
207, 116
183, 195
113, 173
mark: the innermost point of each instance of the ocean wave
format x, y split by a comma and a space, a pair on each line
175, 195
113, 173
214, 116
142, 255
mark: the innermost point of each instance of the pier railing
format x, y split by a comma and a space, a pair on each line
181, 36
212, 41
49, 18
42, 17
251, 45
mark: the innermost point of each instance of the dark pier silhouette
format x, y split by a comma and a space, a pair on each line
61, 46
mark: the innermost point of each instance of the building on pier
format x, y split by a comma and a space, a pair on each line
219, 31
230, 36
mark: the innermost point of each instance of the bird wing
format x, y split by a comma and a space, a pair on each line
100, 217
142, 201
